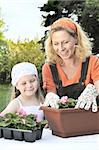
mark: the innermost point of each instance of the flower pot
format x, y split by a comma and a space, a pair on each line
71, 122
18, 134
1, 132
39, 134
7, 133
29, 135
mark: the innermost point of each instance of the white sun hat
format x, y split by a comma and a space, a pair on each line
21, 69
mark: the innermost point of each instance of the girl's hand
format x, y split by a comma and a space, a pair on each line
46, 126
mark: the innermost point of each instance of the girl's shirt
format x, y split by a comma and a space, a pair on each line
92, 75
26, 110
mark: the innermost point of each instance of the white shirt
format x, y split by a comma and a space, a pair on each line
31, 110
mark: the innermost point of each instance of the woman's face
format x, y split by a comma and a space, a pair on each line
27, 85
63, 44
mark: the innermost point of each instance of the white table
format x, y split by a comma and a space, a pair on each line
51, 142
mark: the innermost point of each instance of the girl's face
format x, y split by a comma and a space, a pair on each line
27, 85
63, 44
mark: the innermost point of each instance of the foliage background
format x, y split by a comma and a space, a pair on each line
85, 12
5, 93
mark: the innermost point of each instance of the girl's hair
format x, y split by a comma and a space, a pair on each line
83, 47
38, 94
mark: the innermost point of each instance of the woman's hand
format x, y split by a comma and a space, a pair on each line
87, 98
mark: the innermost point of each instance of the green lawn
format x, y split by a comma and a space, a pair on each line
5, 93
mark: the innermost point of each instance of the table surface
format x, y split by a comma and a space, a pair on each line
48, 141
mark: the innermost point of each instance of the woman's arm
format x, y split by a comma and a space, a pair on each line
48, 84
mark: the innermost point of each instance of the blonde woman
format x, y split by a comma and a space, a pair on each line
70, 65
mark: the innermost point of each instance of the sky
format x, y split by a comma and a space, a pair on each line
22, 19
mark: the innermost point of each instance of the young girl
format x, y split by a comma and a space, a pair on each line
27, 97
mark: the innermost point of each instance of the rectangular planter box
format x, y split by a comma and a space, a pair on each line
71, 122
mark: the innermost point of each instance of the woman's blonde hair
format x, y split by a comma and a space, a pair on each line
83, 48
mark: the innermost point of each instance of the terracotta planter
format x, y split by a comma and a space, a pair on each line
71, 122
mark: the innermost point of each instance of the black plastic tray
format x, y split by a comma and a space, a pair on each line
18, 134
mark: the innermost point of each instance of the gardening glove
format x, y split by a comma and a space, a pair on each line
51, 100
87, 98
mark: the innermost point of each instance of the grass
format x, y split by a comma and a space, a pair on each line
5, 94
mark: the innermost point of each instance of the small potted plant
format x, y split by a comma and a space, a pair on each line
1, 123
25, 128
40, 126
21, 127
5, 123
65, 120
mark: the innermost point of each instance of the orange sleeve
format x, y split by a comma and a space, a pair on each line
93, 69
48, 84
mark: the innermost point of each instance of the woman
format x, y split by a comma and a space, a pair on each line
70, 64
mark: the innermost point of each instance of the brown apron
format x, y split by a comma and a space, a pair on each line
73, 90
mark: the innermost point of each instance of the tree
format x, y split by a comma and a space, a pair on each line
87, 12
90, 22
3, 53
29, 51
57, 9
1, 27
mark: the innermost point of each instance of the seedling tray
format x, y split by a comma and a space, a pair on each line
18, 134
